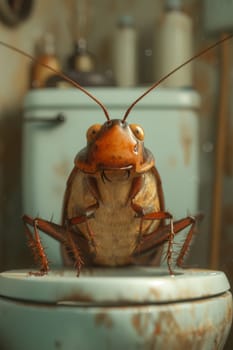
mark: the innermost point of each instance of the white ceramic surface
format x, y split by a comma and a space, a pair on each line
135, 308
109, 285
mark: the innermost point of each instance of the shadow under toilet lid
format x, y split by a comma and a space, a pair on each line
113, 285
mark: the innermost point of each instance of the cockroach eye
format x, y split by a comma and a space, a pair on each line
137, 131
92, 132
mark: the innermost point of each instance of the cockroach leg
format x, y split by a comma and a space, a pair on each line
135, 188
77, 220
159, 215
37, 248
88, 214
104, 177
185, 247
170, 247
50, 228
141, 212
91, 235
60, 233
76, 253
84, 219
166, 233
44, 261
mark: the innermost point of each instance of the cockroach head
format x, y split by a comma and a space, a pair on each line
115, 145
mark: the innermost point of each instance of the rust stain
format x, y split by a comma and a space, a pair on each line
62, 168
154, 292
136, 322
103, 319
186, 142
79, 297
141, 323
183, 338
157, 329
172, 161
166, 317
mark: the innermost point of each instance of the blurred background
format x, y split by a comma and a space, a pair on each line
90, 40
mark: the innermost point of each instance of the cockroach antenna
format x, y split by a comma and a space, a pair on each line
61, 74
157, 83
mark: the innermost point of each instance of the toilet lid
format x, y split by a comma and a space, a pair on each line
110, 285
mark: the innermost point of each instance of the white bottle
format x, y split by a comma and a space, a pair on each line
174, 45
124, 51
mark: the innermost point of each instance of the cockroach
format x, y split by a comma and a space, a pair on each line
113, 211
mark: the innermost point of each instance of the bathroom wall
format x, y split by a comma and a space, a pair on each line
57, 16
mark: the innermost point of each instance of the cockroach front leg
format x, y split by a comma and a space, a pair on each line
39, 255
62, 234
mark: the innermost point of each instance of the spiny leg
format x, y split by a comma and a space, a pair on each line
75, 251
170, 247
35, 244
161, 235
72, 246
186, 245
62, 234
164, 234
161, 215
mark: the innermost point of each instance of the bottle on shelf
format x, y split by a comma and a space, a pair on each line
124, 52
81, 59
174, 45
46, 55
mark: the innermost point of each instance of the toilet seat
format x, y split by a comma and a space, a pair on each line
114, 285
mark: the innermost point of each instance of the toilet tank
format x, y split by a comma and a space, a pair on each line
170, 121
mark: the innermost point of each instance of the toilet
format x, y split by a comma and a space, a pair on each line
111, 308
